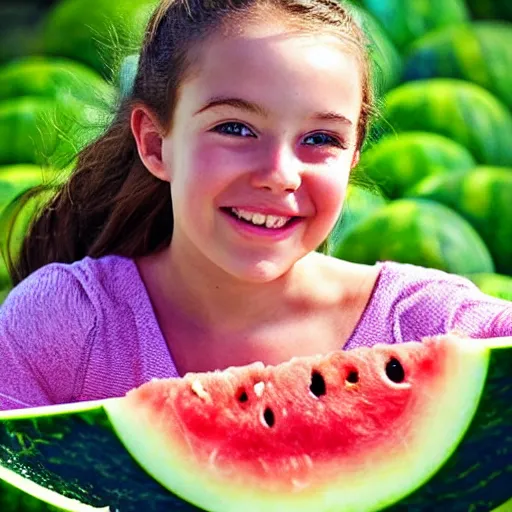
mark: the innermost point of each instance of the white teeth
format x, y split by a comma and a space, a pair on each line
258, 219
275, 222
270, 221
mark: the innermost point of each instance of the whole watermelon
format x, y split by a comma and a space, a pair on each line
483, 196
96, 32
480, 52
49, 107
51, 77
418, 232
396, 163
406, 20
459, 110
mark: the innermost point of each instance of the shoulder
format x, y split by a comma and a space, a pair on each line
68, 287
424, 301
402, 280
48, 324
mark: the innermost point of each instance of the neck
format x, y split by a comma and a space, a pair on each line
207, 297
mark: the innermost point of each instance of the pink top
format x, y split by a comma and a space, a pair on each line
87, 330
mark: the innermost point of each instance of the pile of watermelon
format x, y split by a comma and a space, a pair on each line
436, 172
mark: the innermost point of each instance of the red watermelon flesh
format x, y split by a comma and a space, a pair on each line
240, 440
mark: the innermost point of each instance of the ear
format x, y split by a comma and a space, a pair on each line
355, 158
148, 136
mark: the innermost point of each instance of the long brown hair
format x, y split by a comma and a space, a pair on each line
111, 204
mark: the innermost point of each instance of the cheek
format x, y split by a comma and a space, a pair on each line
209, 167
328, 190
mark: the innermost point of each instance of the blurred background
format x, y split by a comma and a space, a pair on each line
434, 186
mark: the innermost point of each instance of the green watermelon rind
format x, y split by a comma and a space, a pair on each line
38, 491
46, 495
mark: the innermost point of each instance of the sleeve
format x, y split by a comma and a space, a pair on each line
47, 324
451, 303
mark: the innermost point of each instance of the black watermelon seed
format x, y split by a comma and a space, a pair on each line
395, 371
269, 417
353, 377
317, 386
242, 396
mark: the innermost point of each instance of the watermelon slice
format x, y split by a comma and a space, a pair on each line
417, 426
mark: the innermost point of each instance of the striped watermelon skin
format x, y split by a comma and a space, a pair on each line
419, 232
479, 52
459, 110
396, 163
483, 197
406, 20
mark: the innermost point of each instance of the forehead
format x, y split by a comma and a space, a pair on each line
287, 71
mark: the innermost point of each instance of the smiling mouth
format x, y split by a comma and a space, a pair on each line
260, 220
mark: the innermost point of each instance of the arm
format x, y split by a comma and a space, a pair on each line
502, 323
46, 329
480, 315
437, 303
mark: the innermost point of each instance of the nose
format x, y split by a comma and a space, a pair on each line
279, 171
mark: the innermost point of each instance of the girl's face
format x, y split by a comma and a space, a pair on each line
260, 151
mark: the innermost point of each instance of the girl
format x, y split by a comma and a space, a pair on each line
185, 239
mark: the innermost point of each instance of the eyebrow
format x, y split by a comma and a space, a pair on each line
249, 106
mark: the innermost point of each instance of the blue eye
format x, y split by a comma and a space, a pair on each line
324, 139
237, 129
